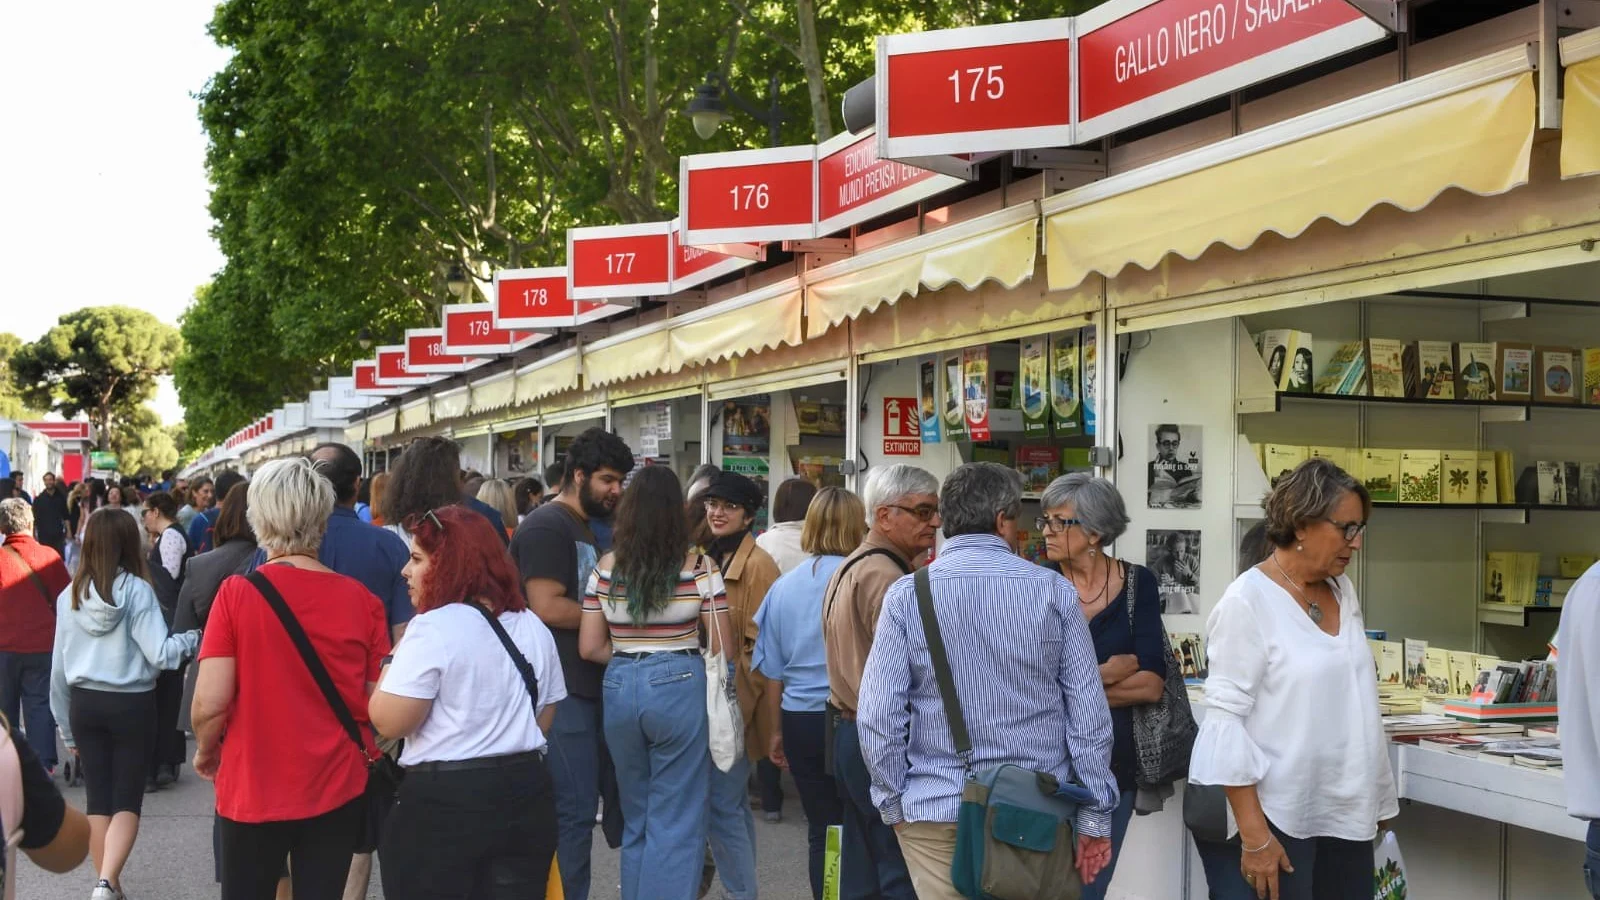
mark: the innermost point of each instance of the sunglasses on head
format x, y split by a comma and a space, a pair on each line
413, 521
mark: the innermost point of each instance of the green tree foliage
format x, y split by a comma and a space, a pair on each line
101, 360
11, 405
359, 149
142, 445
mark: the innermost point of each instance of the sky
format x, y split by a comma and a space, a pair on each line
103, 187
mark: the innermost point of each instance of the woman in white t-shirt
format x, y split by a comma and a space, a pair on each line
1293, 731
472, 688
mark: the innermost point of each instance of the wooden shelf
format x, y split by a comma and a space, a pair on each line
1522, 507
1509, 613
1439, 404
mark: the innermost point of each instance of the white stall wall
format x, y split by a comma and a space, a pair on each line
895, 379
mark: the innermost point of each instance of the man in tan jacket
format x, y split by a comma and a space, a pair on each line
903, 518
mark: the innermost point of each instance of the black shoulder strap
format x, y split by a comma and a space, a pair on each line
524, 668
308, 654
941, 668
38, 582
838, 577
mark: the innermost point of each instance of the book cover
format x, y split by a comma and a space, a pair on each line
1475, 372
1486, 663
1573, 482
1411, 367
1419, 476
1499, 569
1190, 650
1591, 376
976, 391
1035, 371
1089, 366
1504, 477
1486, 481
1558, 382
1552, 483
1589, 485
1437, 378
1515, 371
1281, 459
1375, 647
808, 417
1416, 674
952, 383
1039, 465
1005, 389
928, 399
1463, 671
1387, 372
1346, 372
1458, 476
1438, 668
1339, 456
1391, 663
1066, 398
1274, 346
1380, 474
1298, 367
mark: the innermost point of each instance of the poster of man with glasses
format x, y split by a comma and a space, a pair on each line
1175, 467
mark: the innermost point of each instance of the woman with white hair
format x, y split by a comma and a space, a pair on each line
291, 775
1083, 516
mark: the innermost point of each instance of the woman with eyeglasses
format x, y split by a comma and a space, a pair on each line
1121, 601
1293, 732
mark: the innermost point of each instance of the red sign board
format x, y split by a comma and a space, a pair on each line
469, 328
749, 195
426, 355
538, 299
614, 261
61, 431
991, 87
693, 266
394, 369
902, 427
854, 184
1141, 59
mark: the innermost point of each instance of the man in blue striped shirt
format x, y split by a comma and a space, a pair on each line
1024, 669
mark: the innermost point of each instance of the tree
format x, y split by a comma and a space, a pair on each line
11, 405
101, 360
142, 445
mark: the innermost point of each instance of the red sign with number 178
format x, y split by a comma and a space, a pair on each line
902, 427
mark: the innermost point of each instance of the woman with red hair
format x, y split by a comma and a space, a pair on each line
472, 687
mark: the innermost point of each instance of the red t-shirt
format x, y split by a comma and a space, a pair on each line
284, 754
27, 615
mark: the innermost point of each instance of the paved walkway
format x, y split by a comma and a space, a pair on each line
172, 860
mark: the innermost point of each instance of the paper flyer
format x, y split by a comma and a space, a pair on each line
1090, 368
1065, 401
1035, 379
975, 366
928, 399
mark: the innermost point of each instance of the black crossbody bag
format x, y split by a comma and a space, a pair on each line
830, 713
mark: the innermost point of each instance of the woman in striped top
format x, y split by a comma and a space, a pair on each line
647, 606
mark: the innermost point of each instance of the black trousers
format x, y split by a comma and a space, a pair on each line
168, 745
473, 834
112, 732
803, 744
318, 849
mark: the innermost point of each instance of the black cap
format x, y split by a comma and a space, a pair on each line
736, 489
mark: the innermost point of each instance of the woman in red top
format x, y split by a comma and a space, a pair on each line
290, 782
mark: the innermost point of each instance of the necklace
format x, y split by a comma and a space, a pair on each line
1103, 585
1312, 609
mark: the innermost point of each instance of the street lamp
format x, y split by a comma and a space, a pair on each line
364, 338
456, 281
708, 110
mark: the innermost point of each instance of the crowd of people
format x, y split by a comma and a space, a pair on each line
516, 668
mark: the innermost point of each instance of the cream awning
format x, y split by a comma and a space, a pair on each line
634, 353
356, 434
551, 375
1580, 106
382, 424
495, 393
1000, 247
452, 405
760, 320
1469, 127
416, 415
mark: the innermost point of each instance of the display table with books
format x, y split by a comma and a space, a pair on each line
1515, 794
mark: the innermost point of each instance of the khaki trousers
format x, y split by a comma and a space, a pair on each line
928, 848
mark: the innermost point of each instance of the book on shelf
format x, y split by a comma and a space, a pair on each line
1505, 477
1380, 474
1488, 483
1458, 476
1297, 365
1541, 758
1588, 485
1591, 376
1386, 358
1339, 456
1574, 565
1416, 673
1281, 459
1516, 371
1375, 647
1460, 744
1430, 370
1552, 483
1346, 373
1274, 347
1419, 476
1039, 464
1391, 663
1558, 375
1510, 577
1475, 371
1463, 671
1574, 479
1437, 680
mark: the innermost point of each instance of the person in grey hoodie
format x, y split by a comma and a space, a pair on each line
111, 642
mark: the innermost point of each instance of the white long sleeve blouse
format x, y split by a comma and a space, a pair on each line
1294, 711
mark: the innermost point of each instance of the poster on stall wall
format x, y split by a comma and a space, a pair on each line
1066, 406
954, 413
1035, 378
975, 368
1090, 368
928, 399
746, 426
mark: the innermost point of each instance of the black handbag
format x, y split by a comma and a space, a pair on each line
1163, 731
383, 773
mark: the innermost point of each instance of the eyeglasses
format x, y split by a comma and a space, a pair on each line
1168, 443
412, 521
923, 513
1054, 524
722, 506
1352, 530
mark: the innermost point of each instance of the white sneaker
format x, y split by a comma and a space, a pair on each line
104, 891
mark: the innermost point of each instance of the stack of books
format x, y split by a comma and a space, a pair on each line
1414, 476
1529, 682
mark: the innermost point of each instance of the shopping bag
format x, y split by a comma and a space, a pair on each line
830, 862
1389, 870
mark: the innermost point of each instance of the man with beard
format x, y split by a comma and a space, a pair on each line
555, 550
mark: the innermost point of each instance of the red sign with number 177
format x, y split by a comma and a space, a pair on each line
902, 427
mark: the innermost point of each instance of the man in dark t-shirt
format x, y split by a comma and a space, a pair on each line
556, 550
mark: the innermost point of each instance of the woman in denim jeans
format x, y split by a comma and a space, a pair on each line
645, 610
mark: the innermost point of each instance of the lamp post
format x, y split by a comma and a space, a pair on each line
456, 281
364, 338
708, 110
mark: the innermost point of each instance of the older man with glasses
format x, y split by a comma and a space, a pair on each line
903, 520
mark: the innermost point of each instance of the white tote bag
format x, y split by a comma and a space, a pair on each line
1389, 870
722, 696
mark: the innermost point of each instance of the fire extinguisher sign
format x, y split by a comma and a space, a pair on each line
902, 427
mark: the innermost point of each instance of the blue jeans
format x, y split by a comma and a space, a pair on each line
655, 712
1325, 868
872, 866
575, 747
1591, 864
25, 688
731, 826
1096, 890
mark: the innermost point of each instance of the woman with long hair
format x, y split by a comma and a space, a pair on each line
647, 610
498, 494
379, 501
111, 643
472, 688
116, 496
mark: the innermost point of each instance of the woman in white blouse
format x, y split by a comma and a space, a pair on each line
1293, 731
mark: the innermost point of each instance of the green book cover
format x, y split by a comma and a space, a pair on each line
1035, 366
954, 411
1066, 401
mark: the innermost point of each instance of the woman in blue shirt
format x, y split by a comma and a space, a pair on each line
789, 651
1082, 514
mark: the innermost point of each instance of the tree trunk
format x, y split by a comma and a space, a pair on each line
811, 58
